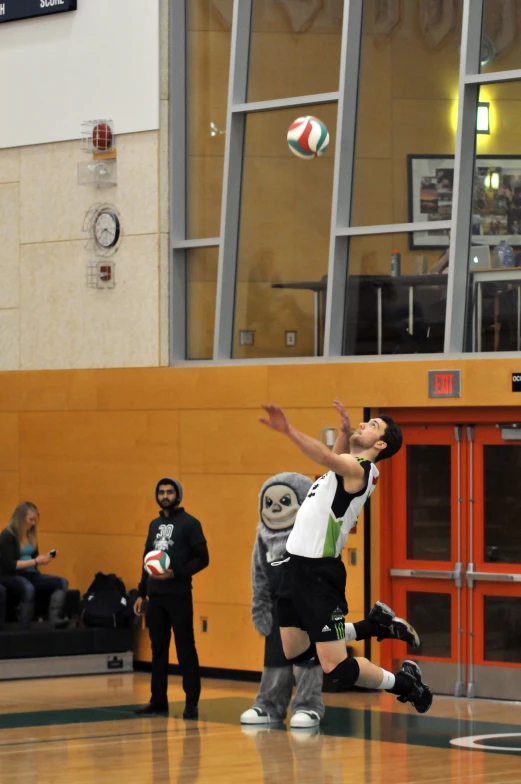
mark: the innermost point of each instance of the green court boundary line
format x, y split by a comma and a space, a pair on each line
340, 722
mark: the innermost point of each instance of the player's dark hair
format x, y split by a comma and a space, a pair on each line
392, 437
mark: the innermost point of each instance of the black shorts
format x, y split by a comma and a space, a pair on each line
312, 597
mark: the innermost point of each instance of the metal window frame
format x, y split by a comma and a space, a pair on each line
232, 180
341, 229
177, 163
464, 164
337, 274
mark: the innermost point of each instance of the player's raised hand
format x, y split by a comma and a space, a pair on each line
345, 422
277, 419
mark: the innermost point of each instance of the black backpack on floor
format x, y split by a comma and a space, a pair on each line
105, 604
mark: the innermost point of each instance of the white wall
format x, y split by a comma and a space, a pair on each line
99, 61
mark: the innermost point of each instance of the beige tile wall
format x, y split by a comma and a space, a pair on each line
49, 318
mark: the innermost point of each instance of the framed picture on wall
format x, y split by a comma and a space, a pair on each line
496, 208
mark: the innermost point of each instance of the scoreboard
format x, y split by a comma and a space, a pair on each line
13, 10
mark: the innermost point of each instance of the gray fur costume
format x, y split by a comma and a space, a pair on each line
279, 501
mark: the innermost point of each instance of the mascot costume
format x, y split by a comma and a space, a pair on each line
279, 501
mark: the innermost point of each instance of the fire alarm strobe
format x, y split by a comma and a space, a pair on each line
102, 137
101, 274
99, 138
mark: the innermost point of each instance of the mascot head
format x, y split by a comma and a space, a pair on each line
280, 499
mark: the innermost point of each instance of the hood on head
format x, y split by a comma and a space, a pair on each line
175, 483
280, 499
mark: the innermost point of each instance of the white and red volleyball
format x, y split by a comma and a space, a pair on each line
157, 562
308, 137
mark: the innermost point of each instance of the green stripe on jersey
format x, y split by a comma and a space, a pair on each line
333, 532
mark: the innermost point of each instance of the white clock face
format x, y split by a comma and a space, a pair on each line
106, 229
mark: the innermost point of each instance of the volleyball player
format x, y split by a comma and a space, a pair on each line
312, 604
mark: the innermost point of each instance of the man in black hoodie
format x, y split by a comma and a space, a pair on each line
170, 597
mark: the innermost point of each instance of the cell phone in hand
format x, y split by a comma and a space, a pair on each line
52, 553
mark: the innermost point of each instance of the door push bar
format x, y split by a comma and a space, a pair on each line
457, 575
432, 574
493, 577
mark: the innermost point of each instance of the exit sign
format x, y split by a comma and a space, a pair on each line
444, 383
14, 10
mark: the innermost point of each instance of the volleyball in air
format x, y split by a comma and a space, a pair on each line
308, 137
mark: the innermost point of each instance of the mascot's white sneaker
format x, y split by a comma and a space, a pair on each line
257, 716
304, 720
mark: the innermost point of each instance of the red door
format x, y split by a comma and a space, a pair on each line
451, 528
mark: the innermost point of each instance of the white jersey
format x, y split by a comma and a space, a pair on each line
327, 515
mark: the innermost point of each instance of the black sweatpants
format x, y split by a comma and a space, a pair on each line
165, 613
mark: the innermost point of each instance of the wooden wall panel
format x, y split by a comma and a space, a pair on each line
83, 553
90, 459
180, 388
227, 506
9, 495
231, 642
99, 467
235, 443
9, 442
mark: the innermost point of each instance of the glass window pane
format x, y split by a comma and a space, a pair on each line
494, 299
502, 628
429, 502
208, 58
407, 104
295, 48
502, 503
284, 239
394, 314
500, 41
201, 285
430, 614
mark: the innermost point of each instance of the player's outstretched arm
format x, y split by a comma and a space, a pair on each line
342, 445
345, 465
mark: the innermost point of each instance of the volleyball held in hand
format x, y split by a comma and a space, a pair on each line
308, 137
157, 562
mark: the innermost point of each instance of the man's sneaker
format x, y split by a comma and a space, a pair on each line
420, 695
391, 627
257, 716
304, 720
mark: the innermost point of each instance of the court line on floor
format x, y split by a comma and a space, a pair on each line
430, 731
125, 737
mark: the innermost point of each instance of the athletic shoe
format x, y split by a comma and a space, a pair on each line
257, 716
191, 712
391, 627
420, 696
304, 720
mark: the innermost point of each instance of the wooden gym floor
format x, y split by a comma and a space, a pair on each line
83, 731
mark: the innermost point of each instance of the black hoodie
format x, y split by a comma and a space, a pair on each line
181, 536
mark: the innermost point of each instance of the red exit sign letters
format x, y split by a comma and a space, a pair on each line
444, 383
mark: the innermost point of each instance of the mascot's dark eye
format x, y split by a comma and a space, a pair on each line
269, 502
286, 500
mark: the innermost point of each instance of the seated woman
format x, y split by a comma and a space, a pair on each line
19, 562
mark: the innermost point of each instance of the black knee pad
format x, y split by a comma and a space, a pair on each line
346, 673
306, 656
